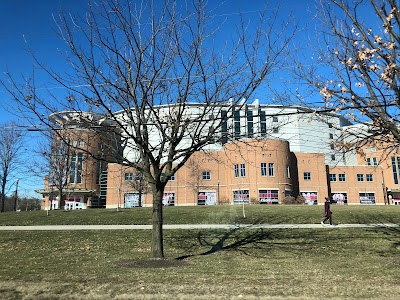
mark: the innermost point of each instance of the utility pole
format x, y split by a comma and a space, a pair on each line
16, 194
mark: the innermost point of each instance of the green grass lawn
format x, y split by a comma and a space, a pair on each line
225, 214
333, 263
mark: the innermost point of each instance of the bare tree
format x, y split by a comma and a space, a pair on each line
356, 70
163, 73
53, 164
11, 146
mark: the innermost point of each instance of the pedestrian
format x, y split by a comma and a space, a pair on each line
327, 211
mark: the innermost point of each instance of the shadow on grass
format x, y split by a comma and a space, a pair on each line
247, 241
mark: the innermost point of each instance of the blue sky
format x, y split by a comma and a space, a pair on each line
29, 23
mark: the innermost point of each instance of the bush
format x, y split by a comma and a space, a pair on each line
293, 200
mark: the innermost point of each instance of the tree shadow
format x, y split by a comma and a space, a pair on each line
246, 240
216, 240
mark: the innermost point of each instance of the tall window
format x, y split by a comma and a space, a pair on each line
307, 175
250, 127
375, 161
394, 168
236, 118
76, 168
287, 171
263, 169
263, 123
236, 169
242, 170
224, 127
368, 161
271, 170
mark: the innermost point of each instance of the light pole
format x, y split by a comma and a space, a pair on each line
218, 193
16, 194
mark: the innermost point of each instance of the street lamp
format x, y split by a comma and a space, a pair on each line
218, 192
16, 194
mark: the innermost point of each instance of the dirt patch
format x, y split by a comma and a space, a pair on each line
152, 263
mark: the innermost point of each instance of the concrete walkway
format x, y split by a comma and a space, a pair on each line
194, 226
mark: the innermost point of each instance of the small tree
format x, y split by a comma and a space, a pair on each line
11, 146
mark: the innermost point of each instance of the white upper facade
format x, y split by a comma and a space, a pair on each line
306, 132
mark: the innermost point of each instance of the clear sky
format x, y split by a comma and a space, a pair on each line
29, 23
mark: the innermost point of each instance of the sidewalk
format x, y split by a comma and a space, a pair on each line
194, 226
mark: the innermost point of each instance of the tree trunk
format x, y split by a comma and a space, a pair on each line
157, 247
3, 194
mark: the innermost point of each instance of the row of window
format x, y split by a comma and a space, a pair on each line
267, 169
342, 177
267, 196
250, 124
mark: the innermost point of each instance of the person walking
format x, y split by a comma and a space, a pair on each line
327, 211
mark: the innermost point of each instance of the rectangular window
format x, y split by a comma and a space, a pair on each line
128, 176
168, 199
241, 196
331, 136
250, 126
172, 178
224, 127
369, 177
375, 161
263, 169
206, 198
310, 198
398, 165
342, 177
275, 130
307, 175
206, 175
332, 177
332, 146
138, 176
367, 198
274, 119
333, 157
368, 161
242, 170
339, 198
360, 177
268, 196
236, 168
287, 171
72, 171
76, 168
79, 168
263, 123
394, 168
236, 118
271, 172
